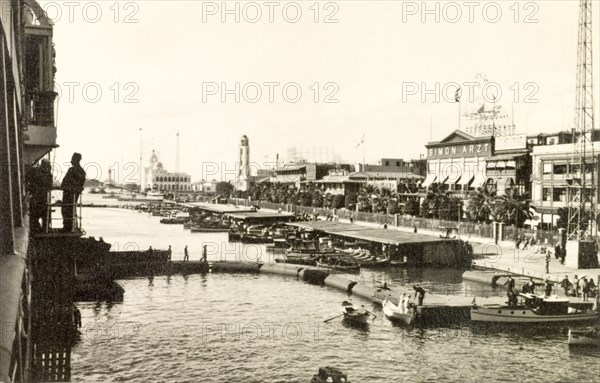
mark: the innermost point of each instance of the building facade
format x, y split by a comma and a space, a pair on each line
458, 161
556, 176
159, 179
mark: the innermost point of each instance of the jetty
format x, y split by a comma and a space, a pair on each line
413, 248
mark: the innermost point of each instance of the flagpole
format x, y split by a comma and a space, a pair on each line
458, 114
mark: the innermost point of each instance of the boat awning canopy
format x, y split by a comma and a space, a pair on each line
429, 180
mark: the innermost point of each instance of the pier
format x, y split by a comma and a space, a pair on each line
416, 249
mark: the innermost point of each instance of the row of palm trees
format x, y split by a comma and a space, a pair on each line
483, 206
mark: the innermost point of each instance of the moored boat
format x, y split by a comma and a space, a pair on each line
339, 267
400, 313
536, 309
374, 262
213, 229
354, 314
584, 338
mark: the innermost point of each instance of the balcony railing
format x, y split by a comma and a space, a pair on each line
40, 108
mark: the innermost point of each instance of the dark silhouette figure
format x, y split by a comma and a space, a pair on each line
186, 255
39, 184
204, 254
72, 186
420, 293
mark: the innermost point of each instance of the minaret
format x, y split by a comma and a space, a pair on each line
244, 165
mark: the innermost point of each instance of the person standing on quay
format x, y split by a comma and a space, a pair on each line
72, 186
186, 255
566, 285
420, 293
547, 288
585, 289
548, 262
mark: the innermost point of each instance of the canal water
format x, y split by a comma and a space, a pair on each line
269, 328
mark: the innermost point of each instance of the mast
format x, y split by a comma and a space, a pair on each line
141, 169
177, 164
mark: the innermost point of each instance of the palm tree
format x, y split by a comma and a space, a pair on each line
481, 205
366, 196
512, 208
386, 200
435, 200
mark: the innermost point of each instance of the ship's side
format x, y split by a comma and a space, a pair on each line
27, 133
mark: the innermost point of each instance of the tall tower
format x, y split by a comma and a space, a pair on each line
243, 177
582, 207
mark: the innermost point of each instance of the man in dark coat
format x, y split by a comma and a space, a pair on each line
39, 183
420, 293
72, 186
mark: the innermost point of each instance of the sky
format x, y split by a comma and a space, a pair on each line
316, 74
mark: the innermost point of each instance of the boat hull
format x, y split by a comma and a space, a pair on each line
505, 314
584, 338
354, 314
391, 312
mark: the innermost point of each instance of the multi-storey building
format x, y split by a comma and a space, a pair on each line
555, 169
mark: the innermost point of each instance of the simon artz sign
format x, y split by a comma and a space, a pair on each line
454, 150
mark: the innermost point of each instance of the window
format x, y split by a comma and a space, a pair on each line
546, 194
511, 165
547, 168
397, 163
387, 163
560, 168
574, 168
559, 195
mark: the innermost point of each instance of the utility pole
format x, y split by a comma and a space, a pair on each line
141, 169
177, 165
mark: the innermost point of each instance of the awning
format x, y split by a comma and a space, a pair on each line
465, 179
429, 180
505, 157
443, 180
479, 180
453, 178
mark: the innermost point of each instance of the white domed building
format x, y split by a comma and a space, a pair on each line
159, 179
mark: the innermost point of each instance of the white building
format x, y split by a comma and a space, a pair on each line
158, 178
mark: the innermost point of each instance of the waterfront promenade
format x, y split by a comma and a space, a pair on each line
502, 256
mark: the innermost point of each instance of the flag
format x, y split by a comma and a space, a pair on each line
457, 94
362, 141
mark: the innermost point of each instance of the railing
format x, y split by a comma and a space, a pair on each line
76, 214
40, 108
461, 229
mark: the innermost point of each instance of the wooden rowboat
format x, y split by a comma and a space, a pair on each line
354, 314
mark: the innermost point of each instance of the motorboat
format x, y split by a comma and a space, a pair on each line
584, 337
536, 309
401, 313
